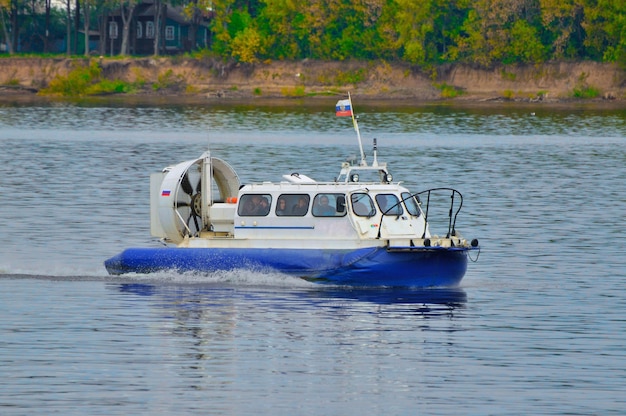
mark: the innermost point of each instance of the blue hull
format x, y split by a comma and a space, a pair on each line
376, 266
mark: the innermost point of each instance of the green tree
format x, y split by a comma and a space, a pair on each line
447, 22
427, 29
247, 45
385, 42
222, 11
5, 11
353, 29
282, 24
525, 45
605, 28
414, 23
325, 27
339, 29
561, 26
500, 31
234, 30
471, 45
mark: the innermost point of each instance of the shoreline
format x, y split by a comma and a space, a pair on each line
30, 98
153, 100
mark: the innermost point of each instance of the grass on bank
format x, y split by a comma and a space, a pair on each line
586, 92
448, 91
87, 80
583, 90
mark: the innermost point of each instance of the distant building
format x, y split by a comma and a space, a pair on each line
94, 42
177, 32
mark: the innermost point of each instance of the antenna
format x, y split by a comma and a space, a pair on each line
208, 140
375, 162
206, 184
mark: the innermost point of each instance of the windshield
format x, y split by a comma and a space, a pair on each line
411, 204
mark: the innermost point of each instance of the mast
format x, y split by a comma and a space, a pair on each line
358, 133
206, 185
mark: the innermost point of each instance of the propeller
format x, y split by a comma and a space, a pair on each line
180, 203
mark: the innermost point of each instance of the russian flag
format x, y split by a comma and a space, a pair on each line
165, 192
343, 108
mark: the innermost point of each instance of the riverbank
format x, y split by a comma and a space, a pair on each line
201, 80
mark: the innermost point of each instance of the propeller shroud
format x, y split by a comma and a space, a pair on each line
180, 202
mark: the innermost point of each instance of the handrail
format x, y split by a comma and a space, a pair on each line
451, 220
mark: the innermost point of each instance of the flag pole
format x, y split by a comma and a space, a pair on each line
358, 133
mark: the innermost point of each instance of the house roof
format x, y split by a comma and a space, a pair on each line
147, 8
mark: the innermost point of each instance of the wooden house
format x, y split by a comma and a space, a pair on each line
176, 32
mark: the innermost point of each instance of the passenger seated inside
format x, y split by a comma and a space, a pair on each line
254, 205
301, 207
263, 208
281, 207
362, 205
389, 204
322, 208
250, 204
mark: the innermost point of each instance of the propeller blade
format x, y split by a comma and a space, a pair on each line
194, 176
195, 221
186, 184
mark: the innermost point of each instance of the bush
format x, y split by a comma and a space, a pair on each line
109, 87
168, 80
448, 91
86, 80
585, 92
293, 92
350, 77
76, 82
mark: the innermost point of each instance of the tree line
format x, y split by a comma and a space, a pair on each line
420, 32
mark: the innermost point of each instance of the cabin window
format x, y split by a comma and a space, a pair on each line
150, 30
411, 203
139, 30
389, 204
254, 205
292, 205
362, 205
329, 205
169, 32
112, 30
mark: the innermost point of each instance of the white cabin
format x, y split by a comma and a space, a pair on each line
298, 210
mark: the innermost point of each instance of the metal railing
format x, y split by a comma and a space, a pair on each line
451, 218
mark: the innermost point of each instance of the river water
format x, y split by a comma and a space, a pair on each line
537, 326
